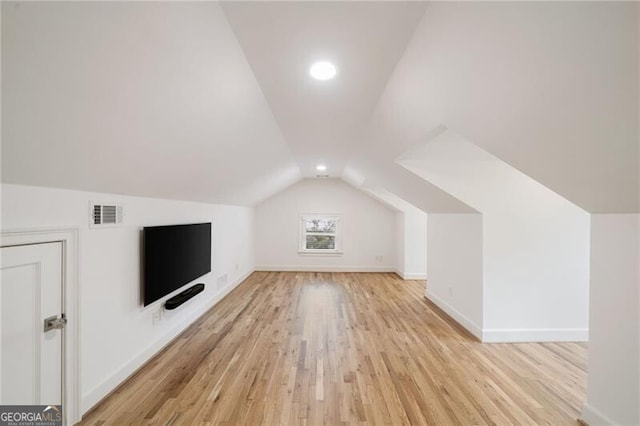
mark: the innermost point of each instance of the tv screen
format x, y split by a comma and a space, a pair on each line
174, 256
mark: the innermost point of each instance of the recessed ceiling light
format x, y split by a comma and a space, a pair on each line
321, 167
323, 70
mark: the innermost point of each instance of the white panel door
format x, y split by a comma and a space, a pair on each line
30, 358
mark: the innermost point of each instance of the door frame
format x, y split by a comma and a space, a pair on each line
70, 305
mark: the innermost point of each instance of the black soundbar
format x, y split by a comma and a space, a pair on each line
180, 298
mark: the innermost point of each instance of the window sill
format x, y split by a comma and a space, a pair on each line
320, 253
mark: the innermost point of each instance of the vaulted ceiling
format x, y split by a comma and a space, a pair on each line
152, 99
322, 120
549, 87
213, 101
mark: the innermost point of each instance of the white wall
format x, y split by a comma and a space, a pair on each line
415, 237
535, 243
400, 265
411, 233
613, 388
368, 227
454, 265
116, 331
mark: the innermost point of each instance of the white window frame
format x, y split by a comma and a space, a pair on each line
303, 234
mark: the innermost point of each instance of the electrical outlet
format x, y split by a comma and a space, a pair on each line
450, 291
379, 259
237, 267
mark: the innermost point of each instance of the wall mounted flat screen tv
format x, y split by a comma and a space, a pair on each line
174, 256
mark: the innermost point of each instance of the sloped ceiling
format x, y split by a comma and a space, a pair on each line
390, 199
385, 174
322, 120
549, 87
152, 99
210, 102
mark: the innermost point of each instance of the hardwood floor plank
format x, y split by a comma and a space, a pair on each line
344, 348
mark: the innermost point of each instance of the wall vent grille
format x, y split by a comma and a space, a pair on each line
102, 215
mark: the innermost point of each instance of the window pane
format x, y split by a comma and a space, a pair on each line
321, 242
321, 225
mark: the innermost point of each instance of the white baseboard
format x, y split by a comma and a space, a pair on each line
414, 276
521, 335
311, 268
461, 319
95, 395
411, 275
511, 335
593, 417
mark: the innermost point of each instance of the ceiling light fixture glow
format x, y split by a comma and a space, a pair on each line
321, 167
323, 70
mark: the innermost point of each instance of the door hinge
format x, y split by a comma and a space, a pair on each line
55, 322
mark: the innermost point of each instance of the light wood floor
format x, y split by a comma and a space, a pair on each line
331, 348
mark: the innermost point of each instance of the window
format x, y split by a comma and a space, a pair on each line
320, 233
